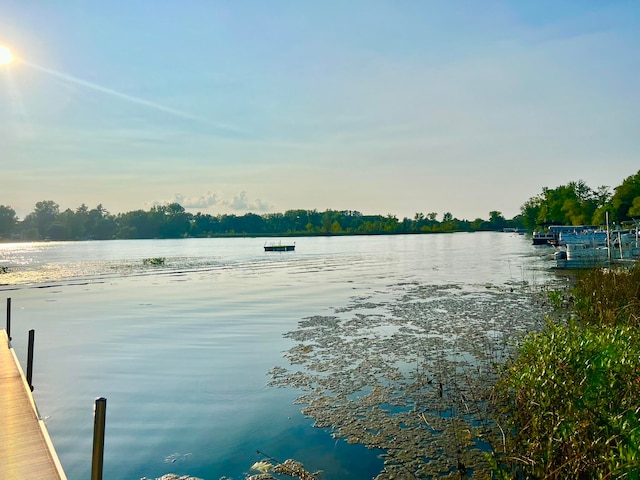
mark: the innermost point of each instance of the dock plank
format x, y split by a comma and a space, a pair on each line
26, 451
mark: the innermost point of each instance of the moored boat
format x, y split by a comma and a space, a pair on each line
570, 233
579, 255
620, 247
543, 238
593, 238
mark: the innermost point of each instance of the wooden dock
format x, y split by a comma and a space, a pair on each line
26, 451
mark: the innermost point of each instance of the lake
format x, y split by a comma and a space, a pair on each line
182, 351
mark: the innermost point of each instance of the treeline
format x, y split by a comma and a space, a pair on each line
578, 204
571, 204
172, 221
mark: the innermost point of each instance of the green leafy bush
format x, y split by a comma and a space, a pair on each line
571, 401
568, 403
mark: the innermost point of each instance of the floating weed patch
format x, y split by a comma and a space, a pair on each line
156, 261
289, 467
412, 376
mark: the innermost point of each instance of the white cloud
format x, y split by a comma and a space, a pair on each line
240, 202
209, 199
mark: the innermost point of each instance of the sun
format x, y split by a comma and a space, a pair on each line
5, 55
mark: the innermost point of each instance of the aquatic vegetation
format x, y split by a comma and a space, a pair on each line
289, 467
173, 476
411, 377
156, 261
262, 466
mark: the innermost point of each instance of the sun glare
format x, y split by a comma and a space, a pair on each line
5, 55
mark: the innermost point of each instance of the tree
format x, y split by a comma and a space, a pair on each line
250, 223
496, 220
205, 225
100, 224
45, 213
530, 212
58, 231
327, 221
174, 221
8, 221
624, 197
571, 204
634, 211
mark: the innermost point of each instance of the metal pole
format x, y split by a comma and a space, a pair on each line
99, 416
9, 319
32, 335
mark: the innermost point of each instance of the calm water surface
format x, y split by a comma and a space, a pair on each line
181, 351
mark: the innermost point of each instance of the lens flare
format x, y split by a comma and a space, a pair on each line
5, 55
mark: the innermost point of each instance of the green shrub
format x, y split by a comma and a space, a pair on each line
568, 403
571, 402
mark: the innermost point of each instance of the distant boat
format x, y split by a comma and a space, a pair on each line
278, 247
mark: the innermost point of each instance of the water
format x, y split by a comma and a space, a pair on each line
181, 351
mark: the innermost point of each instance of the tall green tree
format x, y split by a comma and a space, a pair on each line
530, 212
623, 202
45, 213
101, 225
497, 220
8, 221
175, 222
572, 204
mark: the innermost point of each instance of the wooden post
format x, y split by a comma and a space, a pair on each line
9, 319
32, 334
99, 416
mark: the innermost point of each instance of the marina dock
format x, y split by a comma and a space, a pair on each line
26, 451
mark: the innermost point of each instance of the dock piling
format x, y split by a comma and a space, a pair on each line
32, 335
9, 320
99, 417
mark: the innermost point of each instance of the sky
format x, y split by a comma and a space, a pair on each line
384, 107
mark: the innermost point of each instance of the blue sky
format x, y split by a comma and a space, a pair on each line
385, 107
